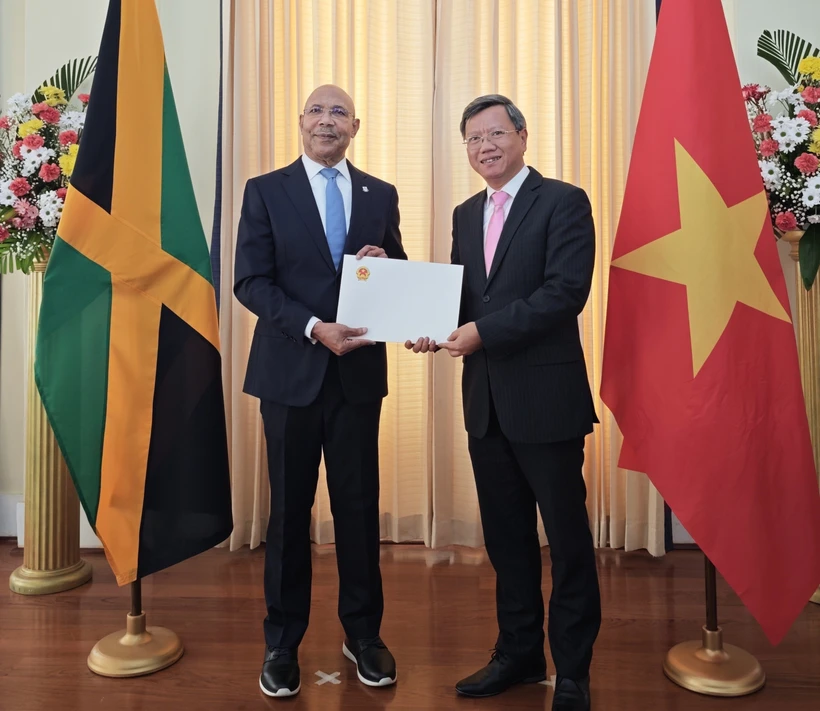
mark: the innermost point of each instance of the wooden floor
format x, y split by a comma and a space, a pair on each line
439, 623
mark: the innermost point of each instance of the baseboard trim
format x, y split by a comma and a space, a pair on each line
680, 536
8, 514
13, 523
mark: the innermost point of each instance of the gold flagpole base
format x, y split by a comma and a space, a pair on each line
26, 581
712, 668
816, 597
135, 651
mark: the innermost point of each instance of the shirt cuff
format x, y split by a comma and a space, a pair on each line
310, 324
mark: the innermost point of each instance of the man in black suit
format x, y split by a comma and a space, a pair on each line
321, 386
527, 244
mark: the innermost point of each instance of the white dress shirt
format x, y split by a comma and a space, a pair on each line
511, 188
318, 184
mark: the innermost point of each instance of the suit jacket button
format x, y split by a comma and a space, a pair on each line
486, 299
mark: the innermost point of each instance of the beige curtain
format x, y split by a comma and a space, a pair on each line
276, 53
576, 69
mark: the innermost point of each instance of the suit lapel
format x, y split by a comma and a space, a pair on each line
359, 207
524, 200
475, 230
300, 192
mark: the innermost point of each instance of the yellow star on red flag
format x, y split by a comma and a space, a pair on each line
712, 254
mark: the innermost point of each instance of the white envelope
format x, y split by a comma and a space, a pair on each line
399, 300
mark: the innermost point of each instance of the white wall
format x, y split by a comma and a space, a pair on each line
36, 38
747, 19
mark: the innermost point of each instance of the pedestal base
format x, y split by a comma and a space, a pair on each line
135, 651
709, 667
26, 581
816, 597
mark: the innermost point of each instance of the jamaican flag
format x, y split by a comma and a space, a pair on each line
127, 359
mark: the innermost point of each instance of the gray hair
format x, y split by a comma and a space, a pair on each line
485, 102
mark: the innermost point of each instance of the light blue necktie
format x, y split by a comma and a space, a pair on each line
335, 223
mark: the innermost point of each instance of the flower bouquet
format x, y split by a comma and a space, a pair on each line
786, 130
39, 140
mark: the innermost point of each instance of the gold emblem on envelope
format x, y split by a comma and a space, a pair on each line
362, 273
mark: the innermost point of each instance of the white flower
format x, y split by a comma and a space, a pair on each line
72, 121
51, 208
790, 96
35, 158
772, 174
813, 183
814, 219
811, 198
799, 129
19, 105
7, 198
782, 132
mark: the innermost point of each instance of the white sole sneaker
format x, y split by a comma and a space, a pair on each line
386, 681
281, 693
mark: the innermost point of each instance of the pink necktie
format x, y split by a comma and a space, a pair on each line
494, 228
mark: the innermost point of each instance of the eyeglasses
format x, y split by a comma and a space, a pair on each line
336, 112
492, 137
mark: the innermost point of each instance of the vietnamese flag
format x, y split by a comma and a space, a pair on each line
700, 359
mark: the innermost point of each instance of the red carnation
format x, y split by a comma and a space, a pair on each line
61, 193
67, 138
786, 221
754, 92
34, 141
83, 97
19, 186
50, 115
806, 163
769, 147
762, 123
811, 95
809, 115
49, 172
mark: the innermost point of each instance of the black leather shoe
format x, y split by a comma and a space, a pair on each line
501, 673
375, 665
571, 695
280, 672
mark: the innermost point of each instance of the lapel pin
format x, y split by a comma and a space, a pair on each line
364, 188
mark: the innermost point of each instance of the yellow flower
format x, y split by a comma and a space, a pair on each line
72, 150
810, 65
54, 96
67, 164
29, 127
815, 136
814, 147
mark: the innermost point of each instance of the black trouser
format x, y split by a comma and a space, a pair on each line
511, 478
296, 436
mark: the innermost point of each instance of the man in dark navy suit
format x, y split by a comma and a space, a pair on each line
320, 384
527, 244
